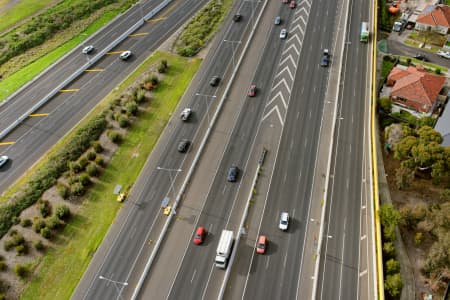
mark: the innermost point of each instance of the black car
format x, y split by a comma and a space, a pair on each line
325, 58
420, 56
232, 174
183, 145
277, 20
214, 81
237, 17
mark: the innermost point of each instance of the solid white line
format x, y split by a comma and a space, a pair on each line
193, 275
342, 260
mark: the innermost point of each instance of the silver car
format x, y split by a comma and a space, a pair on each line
88, 49
3, 160
125, 55
284, 221
283, 34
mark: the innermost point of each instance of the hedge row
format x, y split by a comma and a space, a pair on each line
47, 175
199, 29
45, 25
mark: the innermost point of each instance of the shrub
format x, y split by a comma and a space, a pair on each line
46, 233
16, 220
97, 147
91, 155
99, 161
438, 71
26, 223
63, 212
7, 245
38, 224
83, 162
39, 246
392, 266
418, 238
162, 68
21, 270
53, 222
154, 80
132, 107
393, 284
22, 249
44, 208
63, 191
3, 266
75, 167
77, 189
92, 169
389, 250
84, 179
114, 136
123, 121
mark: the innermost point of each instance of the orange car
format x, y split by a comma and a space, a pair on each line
261, 245
199, 235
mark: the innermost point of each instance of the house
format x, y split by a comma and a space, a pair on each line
435, 18
414, 90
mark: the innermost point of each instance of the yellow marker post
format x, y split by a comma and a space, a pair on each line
138, 34
115, 52
94, 70
6, 143
69, 90
38, 115
156, 20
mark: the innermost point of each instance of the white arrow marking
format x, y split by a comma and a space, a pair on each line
275, 108
285, 84
289, 72
279, 94
296, 37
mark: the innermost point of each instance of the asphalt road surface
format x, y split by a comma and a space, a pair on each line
342, 261
124, 260
36, 135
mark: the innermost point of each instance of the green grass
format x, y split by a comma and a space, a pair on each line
16, 80
386, 67
83, 235
425, 64
21, 10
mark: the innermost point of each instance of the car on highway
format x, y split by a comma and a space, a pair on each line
284, 221
214, 81
233, 174
261, 245
125, 55
292, 4
277, 20
183, 145
237, 17
283, 33
420, 56
88, 49
3, 160
199, 235
252, 91
185, 114
444, 54
325, 61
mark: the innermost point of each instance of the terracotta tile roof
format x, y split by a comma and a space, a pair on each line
419, 88
439, 16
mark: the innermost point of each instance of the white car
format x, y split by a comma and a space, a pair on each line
125, 55
88, 49
283, 33
185, 114
3, 160
284, 221
444, 54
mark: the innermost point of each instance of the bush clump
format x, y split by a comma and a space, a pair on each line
91, 155
26, 222
22, 249
63, 191
63, 212
53, 222
131, 107
92, 169
39, 245
3, 266
99, 161
123, 121
38, 224
114, 136
77, 189
140, 95
21, 270
46, 233
97, 147
44, 208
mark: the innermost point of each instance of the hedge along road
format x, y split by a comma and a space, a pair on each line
53, 282
37, 135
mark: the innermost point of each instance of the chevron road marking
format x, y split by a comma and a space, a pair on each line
291, 46
275, 108
285, 84
275, 97
289, 72
285, 59
296, 37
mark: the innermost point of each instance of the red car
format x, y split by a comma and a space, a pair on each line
292, 4
199, 235
252, 91
261, 246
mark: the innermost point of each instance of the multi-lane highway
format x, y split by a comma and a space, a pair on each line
36, 135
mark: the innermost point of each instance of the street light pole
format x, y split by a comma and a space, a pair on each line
115, 283
207, 104
172, 182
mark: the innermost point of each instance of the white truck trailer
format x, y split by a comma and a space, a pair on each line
224, 248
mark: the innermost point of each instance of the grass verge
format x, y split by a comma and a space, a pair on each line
20, 11
427, 65
12, 83
85, 232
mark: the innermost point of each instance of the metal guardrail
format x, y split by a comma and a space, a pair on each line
77, 73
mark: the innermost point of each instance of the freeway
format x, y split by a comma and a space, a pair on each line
346, 258
126, 248
36, 135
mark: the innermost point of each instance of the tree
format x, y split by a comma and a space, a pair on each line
385, 104
439, 255
404, 177
392, 266
393, 284
402, 150
426, 153
427, 134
